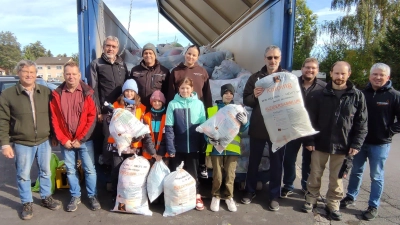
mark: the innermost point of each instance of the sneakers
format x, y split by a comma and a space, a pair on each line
199, 203
27, 211
370, 213
285, 192
248, 197
231, 204
215, 204
51, 203
273, 205
308, 207
334, 215
346, 202
94, 204
203, 171
73, 204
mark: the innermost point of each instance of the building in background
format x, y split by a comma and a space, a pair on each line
2, 72
51, 68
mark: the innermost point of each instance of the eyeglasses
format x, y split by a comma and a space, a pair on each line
310, 68
111, 46
274, 57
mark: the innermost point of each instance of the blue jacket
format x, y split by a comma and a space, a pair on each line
184, 115
221, 104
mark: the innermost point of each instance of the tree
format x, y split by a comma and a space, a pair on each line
62, 55
10, 51
75, 57
49, 54
389, 51
34, 51
305, 33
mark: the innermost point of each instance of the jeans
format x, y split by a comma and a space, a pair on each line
276, 160
289, 164
24, 156
86, 152
376, 155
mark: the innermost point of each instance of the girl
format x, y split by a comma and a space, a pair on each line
129, 100
155, 118
184, 114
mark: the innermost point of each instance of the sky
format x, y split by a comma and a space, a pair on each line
54, 23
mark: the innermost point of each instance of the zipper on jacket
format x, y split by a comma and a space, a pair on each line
187, 125
337, 113
373, 96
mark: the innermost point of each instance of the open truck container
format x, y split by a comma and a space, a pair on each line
244, 27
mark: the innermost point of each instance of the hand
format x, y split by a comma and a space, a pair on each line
353, 151
68, 144
100, 118
172, 155
258, 91
242, 117
136, 139
213, 141
54, 141
8, 152
310, 148
158, 157
76, 144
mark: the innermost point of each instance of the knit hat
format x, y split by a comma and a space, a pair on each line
157, 95
227, 87
131, 85
149, 46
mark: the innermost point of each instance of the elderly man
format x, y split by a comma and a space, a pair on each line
308, 83
383, 104
150, 75
259, 135
339, 113
24, 133
108, 74
73, 115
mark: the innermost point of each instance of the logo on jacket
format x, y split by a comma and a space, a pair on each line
382, 103
198, 74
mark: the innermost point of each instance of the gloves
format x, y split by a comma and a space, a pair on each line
213, 141
136, 139
346, 166
242, 117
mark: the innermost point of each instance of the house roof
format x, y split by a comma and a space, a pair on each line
52, 60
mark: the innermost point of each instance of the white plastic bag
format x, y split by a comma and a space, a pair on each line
223, 126
283, 110
172, 61
155, 180
227, 70
179, 192
131, 190
124, 126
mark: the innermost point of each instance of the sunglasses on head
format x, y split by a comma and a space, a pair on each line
270, 57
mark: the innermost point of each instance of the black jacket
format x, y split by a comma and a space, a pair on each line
257, 127
318, 85
150, 79
383, 106
107, 79
342, 123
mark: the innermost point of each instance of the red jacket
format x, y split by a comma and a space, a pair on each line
87, 120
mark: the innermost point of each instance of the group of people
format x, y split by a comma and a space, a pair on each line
173, 104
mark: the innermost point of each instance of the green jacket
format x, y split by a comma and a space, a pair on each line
16, 116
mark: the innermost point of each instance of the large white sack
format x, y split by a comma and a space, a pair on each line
227, 70
131, 190
124, 126
172, 61
155, 180
179, 192
223, 126
213, 59
283, 110
131, 60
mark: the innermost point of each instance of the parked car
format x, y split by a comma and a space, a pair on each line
9, 81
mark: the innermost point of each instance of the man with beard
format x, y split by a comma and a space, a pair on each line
150, 75
339, 113
308, 83
108, 74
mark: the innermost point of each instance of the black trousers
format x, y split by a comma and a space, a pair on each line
190, 164
116, 164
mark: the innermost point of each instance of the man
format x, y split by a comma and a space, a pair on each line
259, 135
108, 74
383, 104
73, 115
150, 75
339, 113
25, 124
308, 83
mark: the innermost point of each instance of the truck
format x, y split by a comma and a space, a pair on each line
243, 27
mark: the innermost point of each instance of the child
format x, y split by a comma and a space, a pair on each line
155, 118
184, 114
228, 158
129, 100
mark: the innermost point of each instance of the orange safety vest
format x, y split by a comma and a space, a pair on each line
147, 120
139, 115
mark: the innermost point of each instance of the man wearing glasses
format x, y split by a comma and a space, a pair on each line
308, 83
259, 135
